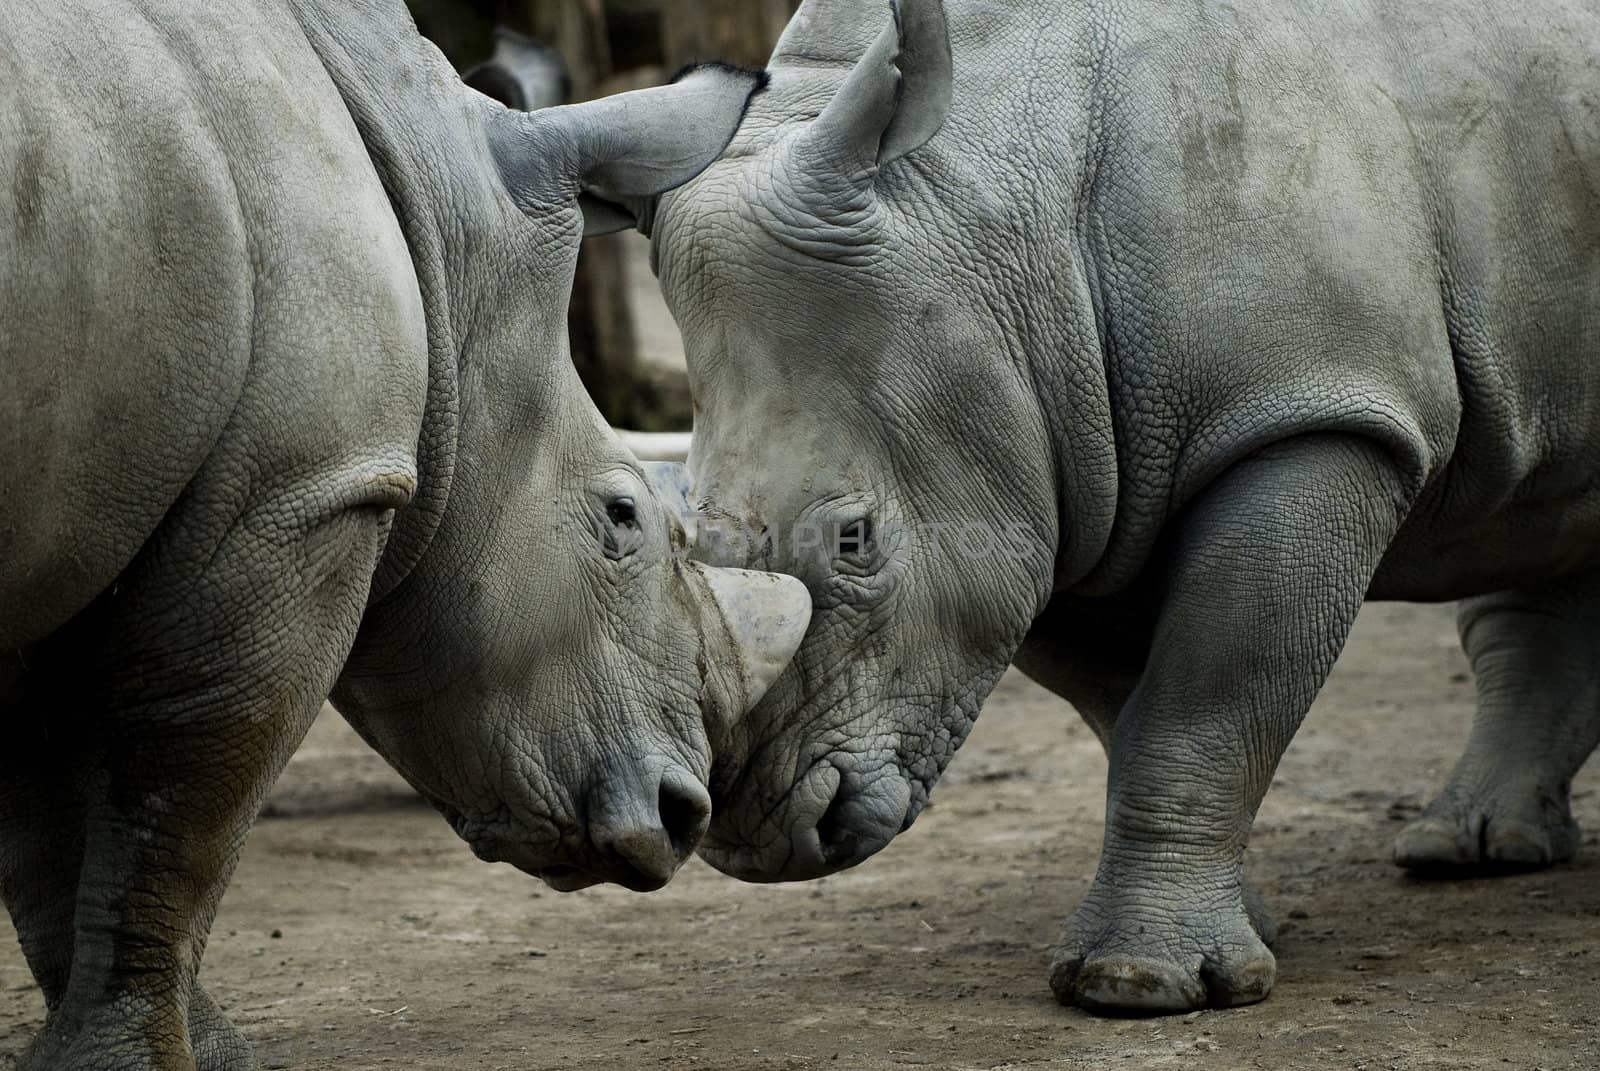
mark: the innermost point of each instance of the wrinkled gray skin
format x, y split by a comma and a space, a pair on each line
1224, 316
288, 410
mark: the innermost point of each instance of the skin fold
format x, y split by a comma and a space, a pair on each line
289, 412
1197, 324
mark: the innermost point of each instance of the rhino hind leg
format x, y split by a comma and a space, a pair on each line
207, 666
216, 1042
1535, 656
41, 854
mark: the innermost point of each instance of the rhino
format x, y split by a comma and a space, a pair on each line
289, 413
1135, 345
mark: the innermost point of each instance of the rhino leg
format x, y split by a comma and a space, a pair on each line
1265, 580
1536, 657
216, 1042
1091, 652
41, 854
210, 661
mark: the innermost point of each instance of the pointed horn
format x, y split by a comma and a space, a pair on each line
764, 618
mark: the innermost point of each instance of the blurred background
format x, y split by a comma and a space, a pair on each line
562, 51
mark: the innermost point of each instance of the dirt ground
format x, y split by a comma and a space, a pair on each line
359, 934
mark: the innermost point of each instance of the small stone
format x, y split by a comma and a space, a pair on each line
536, 953
276, 934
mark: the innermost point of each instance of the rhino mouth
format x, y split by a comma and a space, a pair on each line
564, 878
564, 867
456, 820
493, 847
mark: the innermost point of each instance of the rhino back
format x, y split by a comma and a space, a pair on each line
187, 220
1371, 219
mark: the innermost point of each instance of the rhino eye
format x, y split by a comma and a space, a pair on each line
622, 513
855, 537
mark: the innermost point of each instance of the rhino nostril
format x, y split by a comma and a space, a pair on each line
859, 822
685, 810
643, 823
839, 842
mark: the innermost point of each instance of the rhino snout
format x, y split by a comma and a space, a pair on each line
640, 839
859, 824
835, 820
639, 830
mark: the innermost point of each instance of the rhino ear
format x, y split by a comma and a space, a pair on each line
616, 154
896, 97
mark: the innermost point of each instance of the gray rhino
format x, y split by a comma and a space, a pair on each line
1135, 344
288, 411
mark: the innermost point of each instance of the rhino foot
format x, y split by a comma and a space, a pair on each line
1509, 827
109, 1045
217, 1043
1139, 956
104, 1043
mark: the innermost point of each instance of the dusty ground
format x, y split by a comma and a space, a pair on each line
359, 934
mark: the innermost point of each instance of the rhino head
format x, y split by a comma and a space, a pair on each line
860, 424
538, 657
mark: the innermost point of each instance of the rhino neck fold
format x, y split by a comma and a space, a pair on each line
408, 107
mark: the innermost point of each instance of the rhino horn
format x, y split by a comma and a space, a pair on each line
895, 98
762, 617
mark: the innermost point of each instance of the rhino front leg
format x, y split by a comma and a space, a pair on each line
1268, 573
214, 665
1536, 658
1091, 653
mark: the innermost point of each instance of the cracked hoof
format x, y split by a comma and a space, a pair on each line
1505, 831
1126, 963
